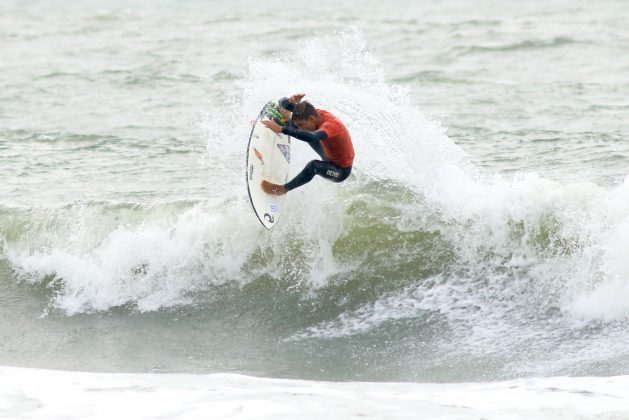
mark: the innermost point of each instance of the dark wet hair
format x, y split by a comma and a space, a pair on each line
304, 110
285, 103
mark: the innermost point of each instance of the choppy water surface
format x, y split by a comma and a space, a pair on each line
493, 249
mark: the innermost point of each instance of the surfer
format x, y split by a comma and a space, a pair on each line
327, 136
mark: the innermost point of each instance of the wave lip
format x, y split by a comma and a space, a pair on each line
97, 255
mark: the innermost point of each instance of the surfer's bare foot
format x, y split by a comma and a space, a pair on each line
274, 189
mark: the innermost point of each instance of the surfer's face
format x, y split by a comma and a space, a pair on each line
309, 124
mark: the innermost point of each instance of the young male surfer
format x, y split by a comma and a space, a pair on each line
327, 136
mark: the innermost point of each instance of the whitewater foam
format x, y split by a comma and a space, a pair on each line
36, 394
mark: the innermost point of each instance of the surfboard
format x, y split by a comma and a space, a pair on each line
268, 158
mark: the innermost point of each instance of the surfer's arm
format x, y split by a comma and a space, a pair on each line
291, 130
303, 135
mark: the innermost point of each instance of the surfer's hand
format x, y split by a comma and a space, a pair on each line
273, 126
296, 98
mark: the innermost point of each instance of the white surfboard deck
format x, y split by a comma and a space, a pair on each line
268, 158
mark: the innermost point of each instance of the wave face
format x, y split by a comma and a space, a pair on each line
422, 266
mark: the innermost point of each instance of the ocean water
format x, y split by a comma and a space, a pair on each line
478, 247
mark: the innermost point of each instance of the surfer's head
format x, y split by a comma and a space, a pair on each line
305, 116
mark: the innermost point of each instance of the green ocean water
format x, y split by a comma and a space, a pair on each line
482, 235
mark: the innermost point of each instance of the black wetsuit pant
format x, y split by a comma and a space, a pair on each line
323, 168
